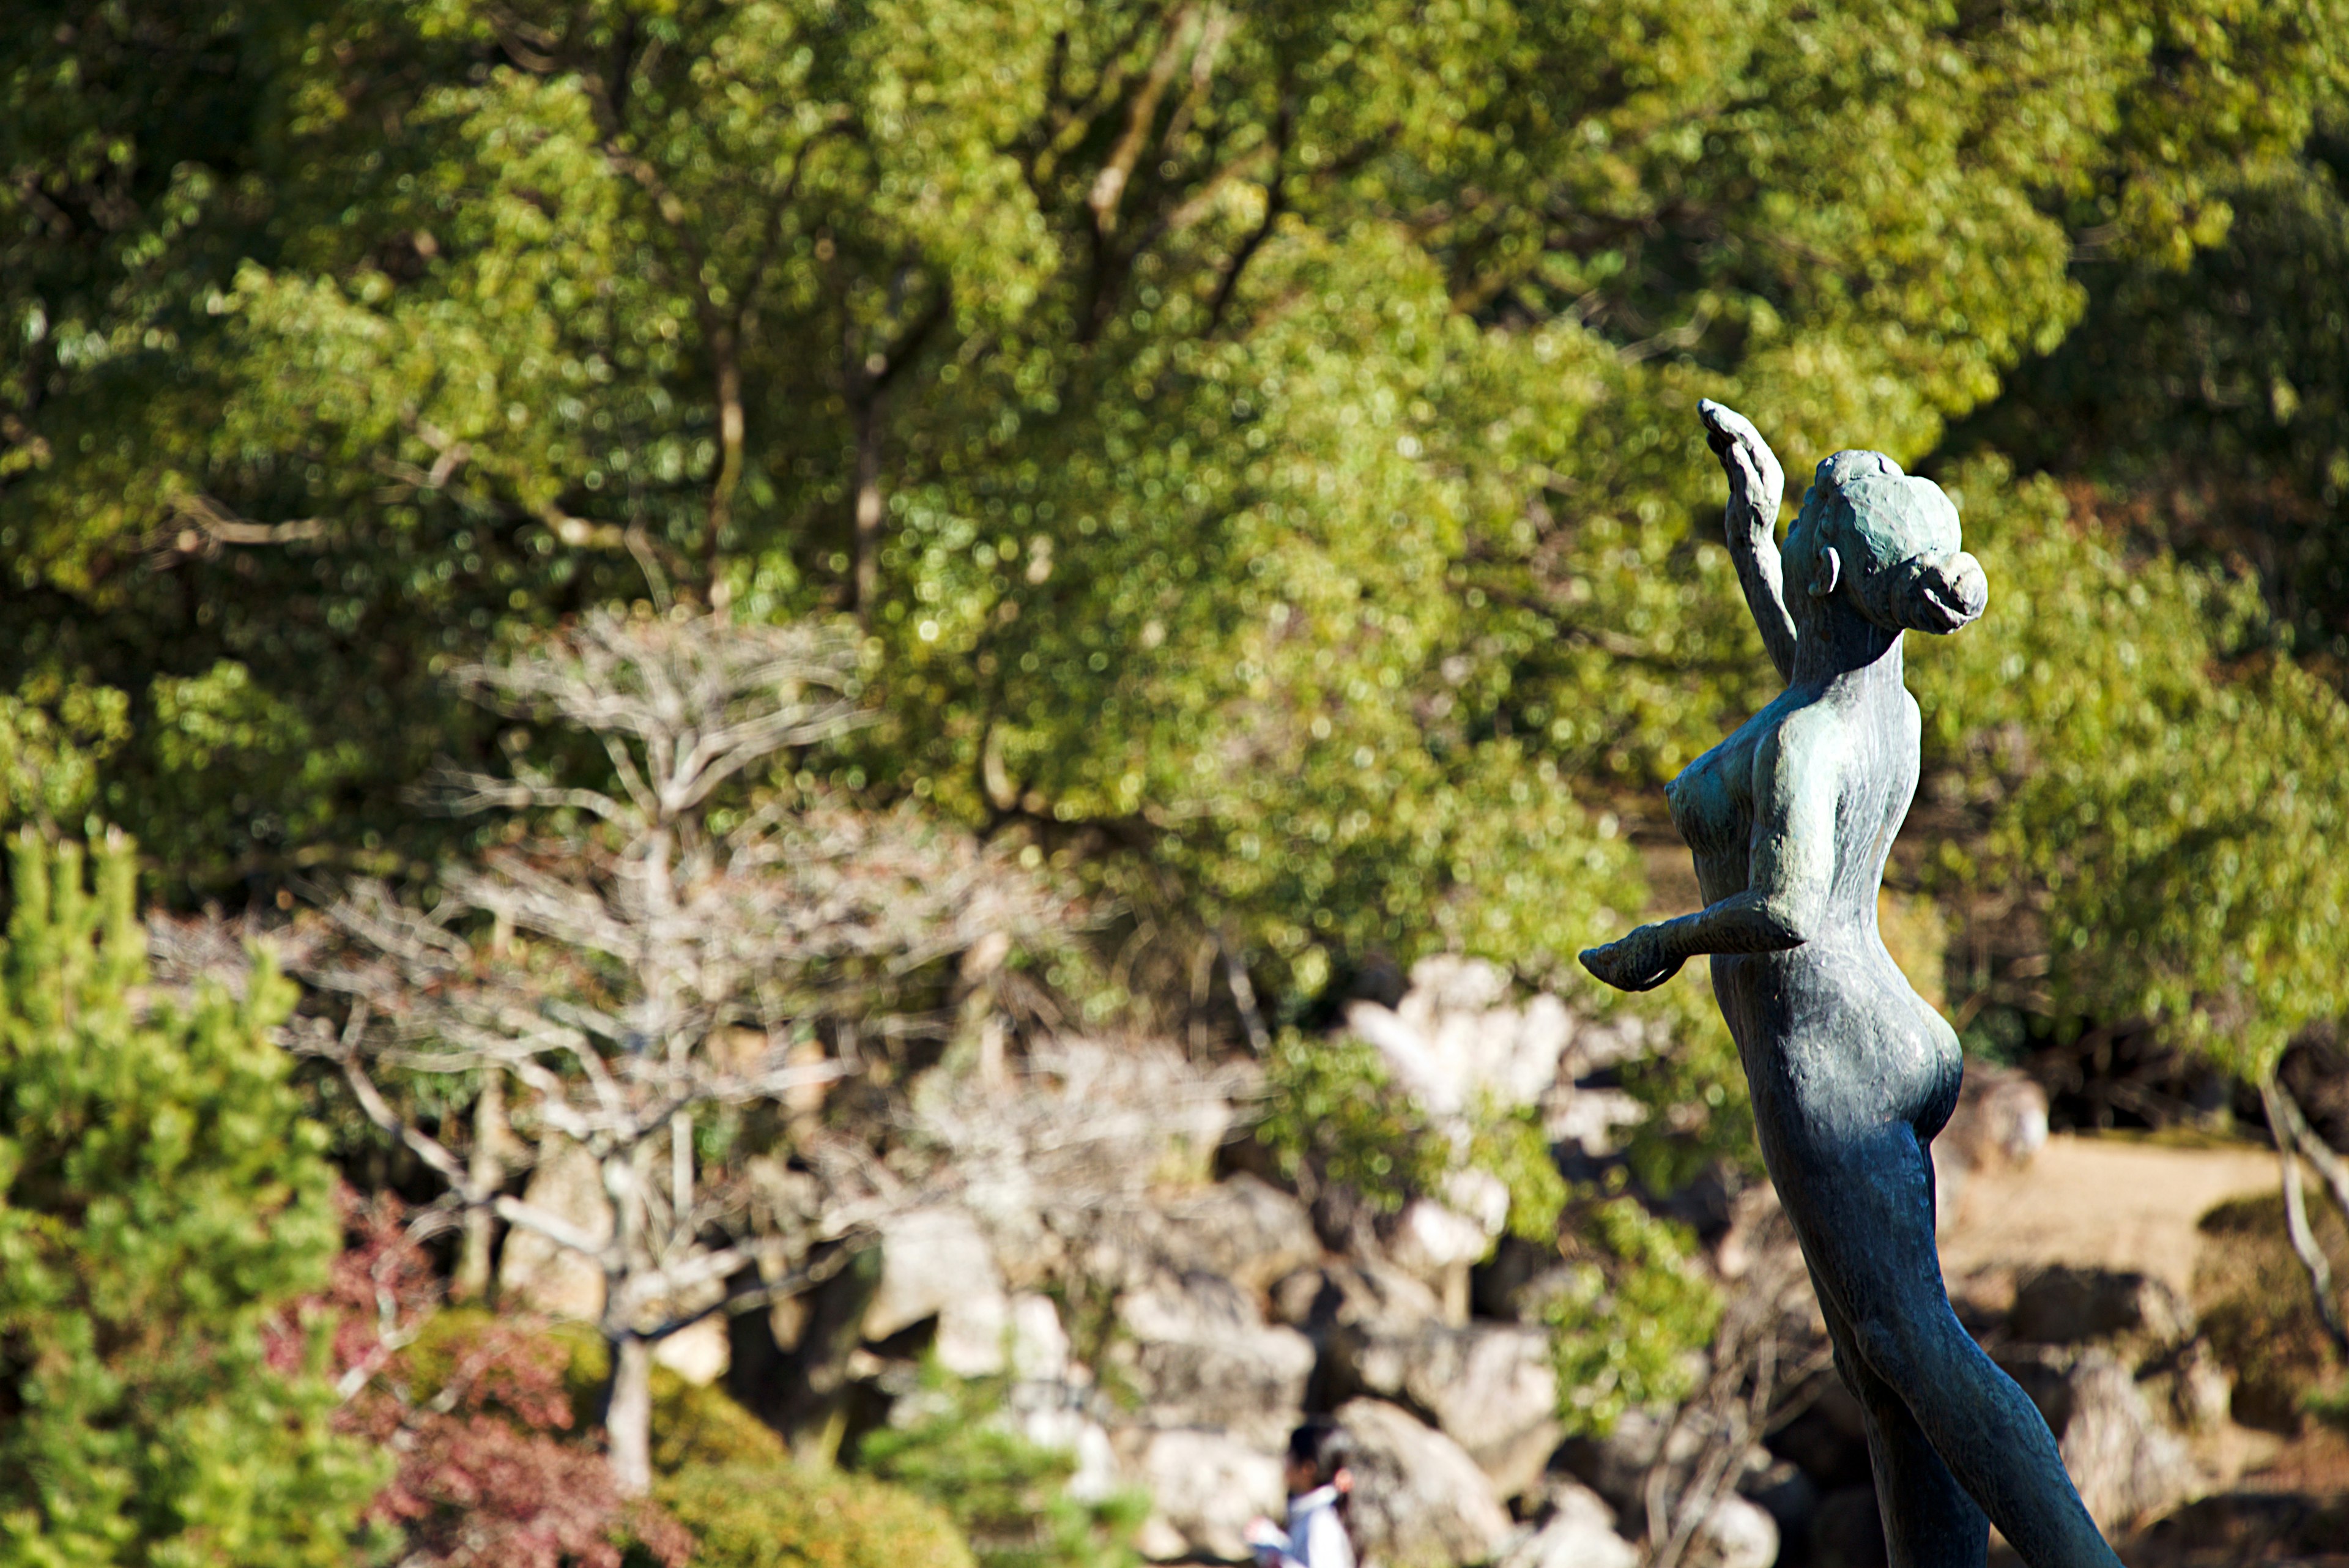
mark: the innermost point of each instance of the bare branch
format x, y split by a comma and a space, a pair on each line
2295, 1211
2320, 1154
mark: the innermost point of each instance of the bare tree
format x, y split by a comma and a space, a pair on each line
662, 948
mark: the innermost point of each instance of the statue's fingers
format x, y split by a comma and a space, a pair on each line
1726, 424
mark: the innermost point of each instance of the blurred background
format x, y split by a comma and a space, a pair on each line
797, 780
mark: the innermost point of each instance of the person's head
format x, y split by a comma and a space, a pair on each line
1319, 1454
1886, 545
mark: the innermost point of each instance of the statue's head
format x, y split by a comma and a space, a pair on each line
1886, 545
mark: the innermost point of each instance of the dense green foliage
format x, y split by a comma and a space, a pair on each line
2149, 765
1269, 432
163, 1203
1623, 1333
1008, 1494
1334, 1119
781, 1516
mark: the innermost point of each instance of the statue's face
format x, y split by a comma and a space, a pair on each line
1887, 544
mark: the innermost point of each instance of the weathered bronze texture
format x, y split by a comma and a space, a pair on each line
1852, 1074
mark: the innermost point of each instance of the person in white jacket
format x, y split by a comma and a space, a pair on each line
1321, 1479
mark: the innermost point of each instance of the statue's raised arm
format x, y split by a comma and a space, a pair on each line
1755, 483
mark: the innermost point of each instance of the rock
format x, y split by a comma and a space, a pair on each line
2000, 1119
1488, 1386
1419, 1501
2127, 1463
1245, 1229
1204, 1487
1199, 1355
2065, 1305
1039, 1346
2129, 1466
532, 1269
2191, 1384
1578, 1534
1062, 1426
697, 1353
1999, 1122
1829, 1441
1499, 1286
972, 1335
1588, 1120
1454, 1038
936, 1263
1438, 1245
1355, 1293
1737, 1533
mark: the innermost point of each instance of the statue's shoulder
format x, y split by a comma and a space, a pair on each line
1803, 736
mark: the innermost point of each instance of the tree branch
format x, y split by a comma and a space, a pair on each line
2295, 1212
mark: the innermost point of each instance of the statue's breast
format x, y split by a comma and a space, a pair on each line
1712, 799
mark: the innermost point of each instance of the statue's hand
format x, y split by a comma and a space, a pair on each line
1755, 481
1637, 963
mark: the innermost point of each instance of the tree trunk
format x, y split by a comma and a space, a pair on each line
486, 1171
628, 1413
813, 1406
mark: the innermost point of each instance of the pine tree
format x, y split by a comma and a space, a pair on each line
163, 1202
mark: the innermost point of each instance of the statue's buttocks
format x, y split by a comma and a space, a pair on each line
1790, 819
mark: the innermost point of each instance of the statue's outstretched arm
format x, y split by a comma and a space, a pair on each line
1790, 870
1755, 483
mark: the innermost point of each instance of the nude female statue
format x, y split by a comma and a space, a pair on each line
1790, 819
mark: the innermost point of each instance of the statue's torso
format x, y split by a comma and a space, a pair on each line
1831, 1033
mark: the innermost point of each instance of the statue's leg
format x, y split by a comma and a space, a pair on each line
1865, 1215
1930, 1521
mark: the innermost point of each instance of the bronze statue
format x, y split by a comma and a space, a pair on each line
1790, 819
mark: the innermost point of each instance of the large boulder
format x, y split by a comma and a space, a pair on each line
1245, 1229
1197, 1354
2065, 1305
1355, 1293
936, 1263
533, 1271
1204, 1487
1439, 1244
1578, 1534
1419, 1501
1999, 1122
1489, 1386
2127, 1461
1456, 1037
2000, 1119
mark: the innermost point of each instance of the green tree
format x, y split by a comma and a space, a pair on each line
163, 1202
1253, 437
2162, 779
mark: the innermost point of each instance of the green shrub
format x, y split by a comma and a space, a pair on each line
1511, 1146
1333, 1116
1622, 1337
1010, 1495
163, 1208
780, 1516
